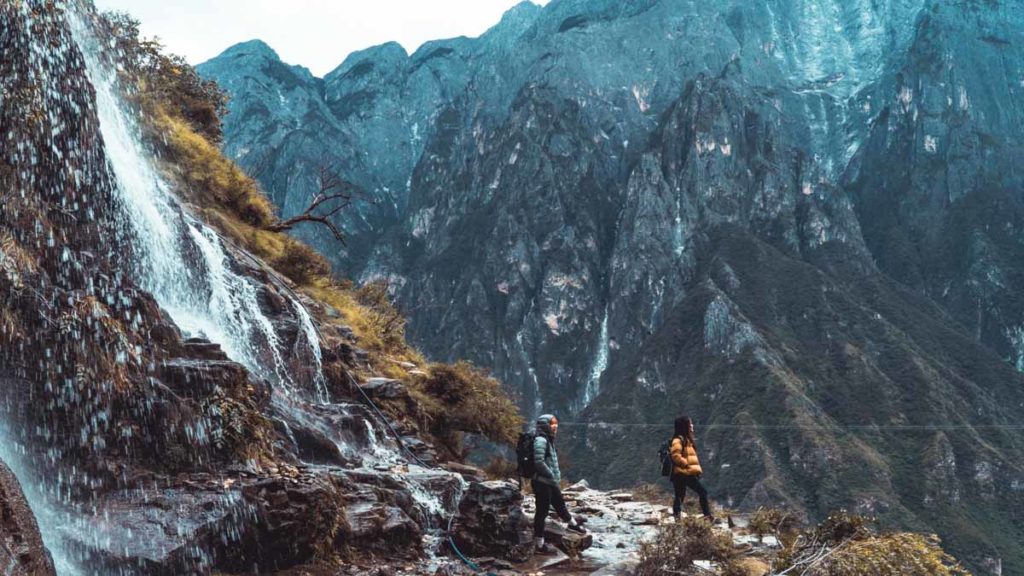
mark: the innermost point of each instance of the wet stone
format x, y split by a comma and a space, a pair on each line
22, 551
491, 521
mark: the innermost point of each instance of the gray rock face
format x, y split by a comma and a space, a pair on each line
22, 552
491, 522
761, 213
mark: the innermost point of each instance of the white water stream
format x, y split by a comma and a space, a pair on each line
177, 258
186, 268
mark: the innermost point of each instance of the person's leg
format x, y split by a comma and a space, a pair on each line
702, 493
542, 493
679, 488
558, 503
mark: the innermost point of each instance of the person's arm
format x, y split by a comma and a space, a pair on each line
676, 451
540, 449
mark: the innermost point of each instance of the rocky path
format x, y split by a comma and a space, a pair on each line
617, 523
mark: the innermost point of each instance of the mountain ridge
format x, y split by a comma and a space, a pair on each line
569, 186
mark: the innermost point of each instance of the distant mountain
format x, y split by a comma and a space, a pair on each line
798, 220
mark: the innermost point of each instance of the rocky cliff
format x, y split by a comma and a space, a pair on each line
183, 389
796, 220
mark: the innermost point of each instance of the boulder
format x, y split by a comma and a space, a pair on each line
378, 514
295, 518
161, 531
491, 522
423, 451
581, 486
379, 388
313, 446
378, 526
571, 543
470, 473
199, 378
23, 552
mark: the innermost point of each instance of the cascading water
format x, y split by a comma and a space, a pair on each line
37, 492
178, 259
185, 266
593, 385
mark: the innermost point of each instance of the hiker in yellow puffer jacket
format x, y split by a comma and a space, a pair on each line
686, 470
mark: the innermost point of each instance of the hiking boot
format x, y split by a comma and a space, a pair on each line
711, 520
545, 549
577, 528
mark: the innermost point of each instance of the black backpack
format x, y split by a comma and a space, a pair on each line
665, 458
525, 464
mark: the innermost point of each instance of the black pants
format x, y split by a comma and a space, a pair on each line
681, 483
547, 497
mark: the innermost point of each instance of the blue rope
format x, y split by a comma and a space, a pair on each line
451, 542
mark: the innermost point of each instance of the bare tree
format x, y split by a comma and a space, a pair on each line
335, 195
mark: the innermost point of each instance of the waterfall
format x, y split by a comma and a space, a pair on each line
39, 496
197, 278
593, 386
177, 258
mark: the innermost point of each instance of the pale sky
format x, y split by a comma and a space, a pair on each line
317, 34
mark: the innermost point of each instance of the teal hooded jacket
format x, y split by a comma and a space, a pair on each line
544, 454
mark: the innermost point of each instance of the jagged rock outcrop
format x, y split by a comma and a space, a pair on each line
187, 410
762, 213
22, 552
936, 181
491, 522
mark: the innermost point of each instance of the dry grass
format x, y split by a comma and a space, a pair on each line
462, 398
208, 178
775, 522
846, 545
653, 493
676, 547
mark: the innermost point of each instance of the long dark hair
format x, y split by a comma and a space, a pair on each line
683, 429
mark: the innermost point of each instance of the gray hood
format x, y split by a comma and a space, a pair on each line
544, 425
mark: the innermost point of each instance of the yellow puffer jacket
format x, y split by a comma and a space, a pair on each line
684, 458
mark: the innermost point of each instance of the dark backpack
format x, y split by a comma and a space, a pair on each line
525, 464
665, 458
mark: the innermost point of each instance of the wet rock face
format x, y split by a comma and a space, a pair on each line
491, 522
85, 329
166, 456
22, 552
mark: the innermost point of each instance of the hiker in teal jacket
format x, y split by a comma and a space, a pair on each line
547, 482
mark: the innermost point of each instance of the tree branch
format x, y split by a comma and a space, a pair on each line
332, 189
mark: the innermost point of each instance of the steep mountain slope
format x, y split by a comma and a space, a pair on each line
632, 209
937, 182
171, 403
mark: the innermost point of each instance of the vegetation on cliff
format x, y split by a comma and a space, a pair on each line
182, 121
842, 545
